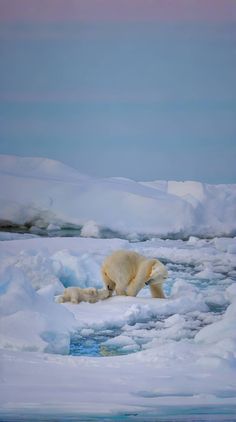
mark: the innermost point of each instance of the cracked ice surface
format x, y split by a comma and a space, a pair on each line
179, 350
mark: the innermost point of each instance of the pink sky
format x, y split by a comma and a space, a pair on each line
117, 10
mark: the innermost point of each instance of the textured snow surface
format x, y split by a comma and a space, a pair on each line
181, 350
147, 352
46, 194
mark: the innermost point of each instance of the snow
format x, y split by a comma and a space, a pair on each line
39, 193
175, 351
225, 328
149, 352
29, 321
14, 236
90, 229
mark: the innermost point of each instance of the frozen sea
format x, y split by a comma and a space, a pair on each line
124, 358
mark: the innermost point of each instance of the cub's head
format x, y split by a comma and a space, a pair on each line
158, 273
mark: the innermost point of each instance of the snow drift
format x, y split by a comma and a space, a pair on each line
39, 193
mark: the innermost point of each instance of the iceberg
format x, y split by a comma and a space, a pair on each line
38, 193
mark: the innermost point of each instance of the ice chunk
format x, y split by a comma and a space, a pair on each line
30, 321
90, 229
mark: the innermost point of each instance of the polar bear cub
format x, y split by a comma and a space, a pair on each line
77, 295
127, 272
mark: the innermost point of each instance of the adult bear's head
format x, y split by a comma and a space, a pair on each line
158, 273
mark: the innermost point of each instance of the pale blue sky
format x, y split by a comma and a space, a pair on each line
145, 100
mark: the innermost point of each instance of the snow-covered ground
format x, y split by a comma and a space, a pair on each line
175, 351
39, 193
122, 354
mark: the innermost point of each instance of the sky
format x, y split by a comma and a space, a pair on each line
144, 89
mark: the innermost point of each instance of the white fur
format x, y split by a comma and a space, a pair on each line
77, 295
127, 272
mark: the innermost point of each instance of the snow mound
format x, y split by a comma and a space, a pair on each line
29, 320
42, 193
90, 229
38, 167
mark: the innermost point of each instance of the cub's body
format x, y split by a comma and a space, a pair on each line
77, 295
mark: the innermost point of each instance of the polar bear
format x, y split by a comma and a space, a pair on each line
77, 295
127, 272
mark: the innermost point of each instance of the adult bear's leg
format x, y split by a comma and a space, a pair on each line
110, 285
